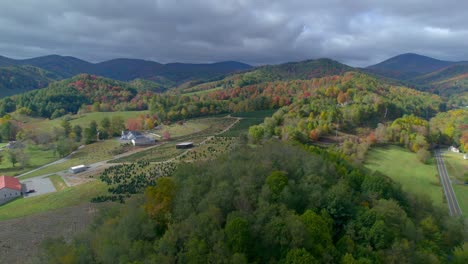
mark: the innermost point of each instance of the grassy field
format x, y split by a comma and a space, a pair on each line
37, 157
58, 182
80, 119
89, 154
248, 119
60, 199
461, 191
456, 165
403, 166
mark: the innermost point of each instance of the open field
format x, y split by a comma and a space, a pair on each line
79, 119
58, 182
67, 197
210, 149
456, 165
248, 119
37, 157
20, 238
403, 166
211, 126
461, 191
92, 153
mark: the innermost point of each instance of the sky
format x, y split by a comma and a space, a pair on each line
355, 32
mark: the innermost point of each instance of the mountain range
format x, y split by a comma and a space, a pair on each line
57, 67
446, 78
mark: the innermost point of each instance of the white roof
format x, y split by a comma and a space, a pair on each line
78, 167
185, 143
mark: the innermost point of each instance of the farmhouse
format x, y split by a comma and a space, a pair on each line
142, 141
184, 145
78, 169
454, 149
10, 188
129, 135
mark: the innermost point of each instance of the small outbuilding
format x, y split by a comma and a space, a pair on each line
10, 188
184, 145
78, 169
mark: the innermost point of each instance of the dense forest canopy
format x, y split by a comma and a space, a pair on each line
269, 204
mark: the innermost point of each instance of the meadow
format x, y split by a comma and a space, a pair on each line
60, 199
248, 119
38, 156
89, 154
403, 167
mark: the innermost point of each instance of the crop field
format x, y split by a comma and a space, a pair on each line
20, 238
403, 166
92, 153
64, 198
38, 156
210, 149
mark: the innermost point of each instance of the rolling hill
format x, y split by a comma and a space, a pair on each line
19, 79
165, 75
407, 66
303, 70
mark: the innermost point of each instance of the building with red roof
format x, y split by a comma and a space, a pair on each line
10, 188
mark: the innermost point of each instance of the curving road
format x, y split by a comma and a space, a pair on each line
454, 208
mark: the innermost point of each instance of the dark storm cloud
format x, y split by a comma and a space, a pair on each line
357, 32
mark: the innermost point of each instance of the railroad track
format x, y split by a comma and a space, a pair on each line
454, 208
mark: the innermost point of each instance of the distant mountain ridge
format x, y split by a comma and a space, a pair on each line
128, 69
409, 65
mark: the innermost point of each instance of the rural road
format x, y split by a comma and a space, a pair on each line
452, 202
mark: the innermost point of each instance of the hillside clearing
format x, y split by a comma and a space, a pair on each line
403, 166
64, 198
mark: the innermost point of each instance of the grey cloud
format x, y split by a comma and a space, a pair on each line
358, 32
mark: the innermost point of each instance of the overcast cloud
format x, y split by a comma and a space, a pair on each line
356, 32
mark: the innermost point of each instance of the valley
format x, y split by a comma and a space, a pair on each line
293, 145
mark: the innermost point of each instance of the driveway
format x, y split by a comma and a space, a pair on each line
41, 185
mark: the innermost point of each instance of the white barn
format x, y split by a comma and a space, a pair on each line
10, 188
78, 169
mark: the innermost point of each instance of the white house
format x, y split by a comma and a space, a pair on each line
454, 149
10, 188
129, 135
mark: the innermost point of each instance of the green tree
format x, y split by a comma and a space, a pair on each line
66, 127
117, 125
238, 234
90, 133
106, 126
256, 133
78, 133
276, 182
423, 155
299, 256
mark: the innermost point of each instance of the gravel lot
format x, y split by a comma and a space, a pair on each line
41, 185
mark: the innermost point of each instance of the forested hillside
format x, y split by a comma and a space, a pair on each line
68, 96
166, 75
20, 79
304, 70
270, 204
